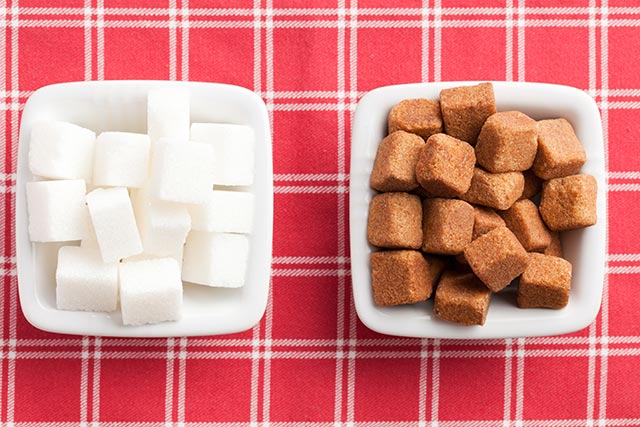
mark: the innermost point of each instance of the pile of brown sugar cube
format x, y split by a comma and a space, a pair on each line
455, 212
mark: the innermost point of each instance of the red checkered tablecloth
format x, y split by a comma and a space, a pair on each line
310, 362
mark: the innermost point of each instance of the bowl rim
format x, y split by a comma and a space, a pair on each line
368, 313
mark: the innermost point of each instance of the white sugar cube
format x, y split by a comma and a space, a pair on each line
121, 159
168, 113
215, 259
182, 172
57, 210
234, 151
90, 241
61, 150
145, 256
150, 291
84, 282
114, 222
224, 212
163, 226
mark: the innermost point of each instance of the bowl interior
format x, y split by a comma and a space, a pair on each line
584, 248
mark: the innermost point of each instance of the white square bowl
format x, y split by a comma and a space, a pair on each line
584, 248
121, 106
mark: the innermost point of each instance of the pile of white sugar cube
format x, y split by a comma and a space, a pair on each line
162, 208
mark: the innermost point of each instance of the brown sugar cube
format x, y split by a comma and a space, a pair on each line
545, 283
436, 265
569, 202
497, 258
395, 221
419, 116
403, 277
394, 167
461, 262
523, 219
422, 192
495, 190
447, 226
465, 109
555, 246
485, 220
461, 298
445, 166
532, 185
559, 151
507, 142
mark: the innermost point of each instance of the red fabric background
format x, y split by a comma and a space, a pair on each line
310, 361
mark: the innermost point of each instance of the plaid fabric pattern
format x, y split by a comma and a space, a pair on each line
310, 362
